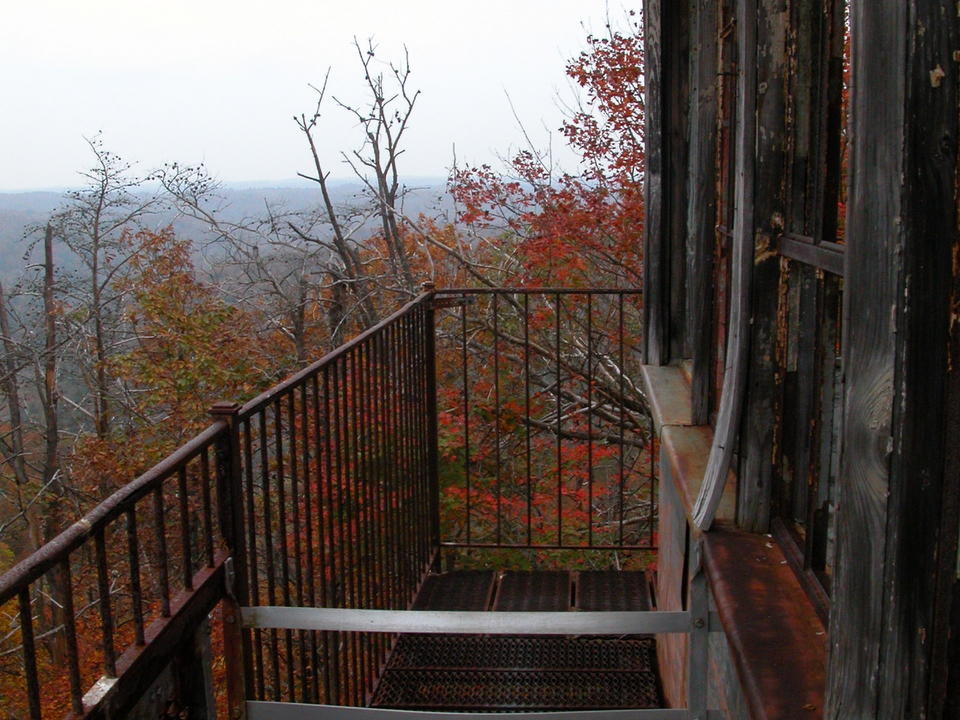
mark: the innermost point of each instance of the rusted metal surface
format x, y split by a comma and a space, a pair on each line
461, 590
510, 672
550, 590
612, 590
777, 640
138, 665
53, 552
687, 451
528, 690
339, 484
509, 652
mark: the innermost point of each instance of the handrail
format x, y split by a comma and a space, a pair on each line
539, 291
53, 552
264, 398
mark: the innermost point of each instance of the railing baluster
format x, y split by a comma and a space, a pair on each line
623, 372
70, 633
311, 593
383, 389
283, 540
136, 590
205, 482
297, 546
269, 550
466, 417
431, 411
589, 379
29, 653
182, 502
254, 564
106, 609
495, 305
556, 350
526, 392
336, 570
322, 514
160, 534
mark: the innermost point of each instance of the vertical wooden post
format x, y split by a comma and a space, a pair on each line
757, 438
656, 317
678, 107
896, 513
666, 49
701, 209
236, 646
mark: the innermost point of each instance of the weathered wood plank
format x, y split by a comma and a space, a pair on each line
656, 318
760, 424
676, 53
701, 209
892, 526
827, 256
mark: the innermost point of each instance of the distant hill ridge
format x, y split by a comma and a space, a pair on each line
21, 210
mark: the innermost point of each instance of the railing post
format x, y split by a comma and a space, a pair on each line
698, 676
236, 645
433, 453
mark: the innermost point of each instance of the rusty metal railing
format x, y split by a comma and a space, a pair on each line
329, 490
339, 501
547, 442
117, 591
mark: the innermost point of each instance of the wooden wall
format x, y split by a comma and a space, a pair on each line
894, 582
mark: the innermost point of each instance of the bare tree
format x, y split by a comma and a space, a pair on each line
277, 263
92, 223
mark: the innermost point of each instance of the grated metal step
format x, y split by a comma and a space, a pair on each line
512, 652
498, 690
490, 673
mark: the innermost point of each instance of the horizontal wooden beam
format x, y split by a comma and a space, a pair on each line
827, 256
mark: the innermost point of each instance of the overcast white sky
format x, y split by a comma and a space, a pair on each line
219, 81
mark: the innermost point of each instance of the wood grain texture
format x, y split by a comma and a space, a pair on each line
760, 426
892, 522
655, 304
701, 209
734, 376
678, 101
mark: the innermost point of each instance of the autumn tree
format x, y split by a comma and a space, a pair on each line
577, 227
189, 349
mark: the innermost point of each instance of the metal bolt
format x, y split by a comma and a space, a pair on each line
228, 618
698, 623
236, 712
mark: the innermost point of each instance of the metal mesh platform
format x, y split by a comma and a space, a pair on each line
464, 590
524, 673
536, 591
612, 590
497, 690
510, 652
